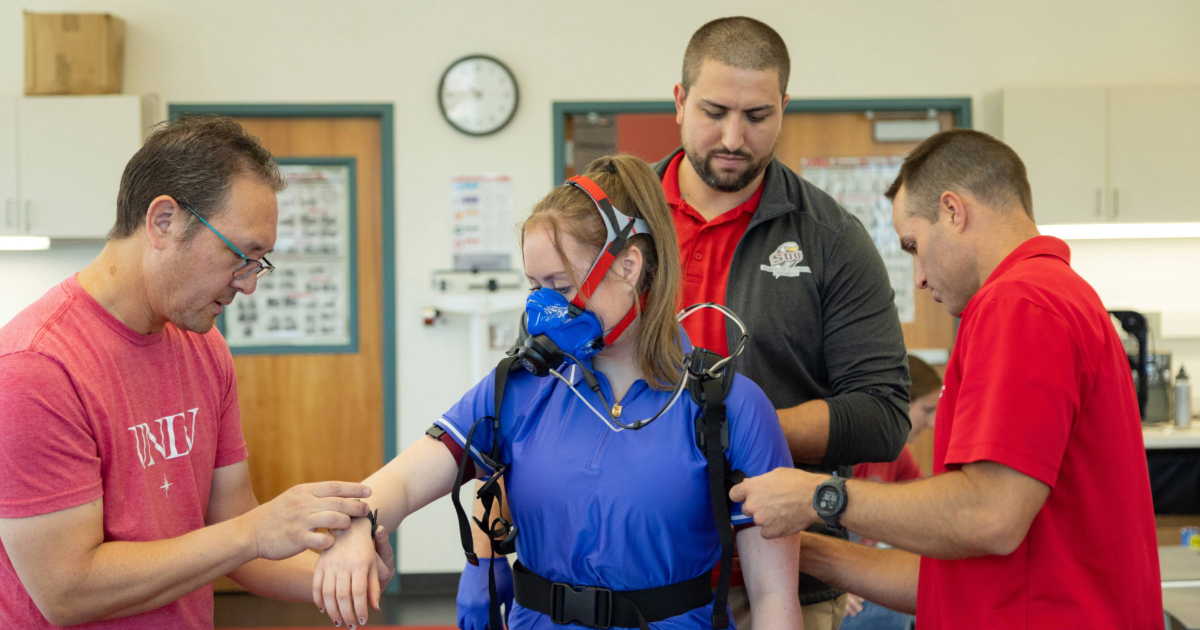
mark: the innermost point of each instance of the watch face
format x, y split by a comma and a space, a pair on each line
827, 501
478, 95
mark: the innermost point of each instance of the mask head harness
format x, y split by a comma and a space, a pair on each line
559, 328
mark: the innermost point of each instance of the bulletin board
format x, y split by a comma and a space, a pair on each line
858, 185
309, 304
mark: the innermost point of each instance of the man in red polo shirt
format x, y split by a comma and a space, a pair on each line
1039, 512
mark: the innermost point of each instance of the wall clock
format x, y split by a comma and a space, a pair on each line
478, 95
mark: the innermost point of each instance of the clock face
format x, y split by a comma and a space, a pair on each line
478, 95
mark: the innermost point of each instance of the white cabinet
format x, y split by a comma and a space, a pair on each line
1101, 155
1154, 153
71, 153
1060, 135
9, 220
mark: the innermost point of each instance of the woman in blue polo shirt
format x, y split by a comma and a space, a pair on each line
598, 507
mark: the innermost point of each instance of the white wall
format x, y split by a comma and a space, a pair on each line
1153, 276
394, 51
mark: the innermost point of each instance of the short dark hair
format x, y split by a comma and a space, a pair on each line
924, 379
740, 42
193, 159
962, 160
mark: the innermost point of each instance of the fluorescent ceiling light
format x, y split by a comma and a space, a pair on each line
1097, 231
24, 242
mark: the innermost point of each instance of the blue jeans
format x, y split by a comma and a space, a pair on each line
876, 617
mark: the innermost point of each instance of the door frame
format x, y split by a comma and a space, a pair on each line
383, 112
960, 106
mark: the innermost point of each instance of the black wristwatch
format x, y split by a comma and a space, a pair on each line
830, 502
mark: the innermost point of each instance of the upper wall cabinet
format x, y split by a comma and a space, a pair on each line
1097, 155
8, 168
1154, 153
69, 155
1059, 134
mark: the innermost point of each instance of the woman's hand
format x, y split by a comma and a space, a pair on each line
854, 605
347, 577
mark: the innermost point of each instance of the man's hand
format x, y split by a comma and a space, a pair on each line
780, 501
287, 524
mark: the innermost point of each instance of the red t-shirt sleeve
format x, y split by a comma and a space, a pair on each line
906, 466
1019, 394
48, 455
231, 444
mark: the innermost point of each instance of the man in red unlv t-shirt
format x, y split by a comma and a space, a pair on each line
124, 489
1039, 512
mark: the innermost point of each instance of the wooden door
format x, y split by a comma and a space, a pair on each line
315, 417
851, 134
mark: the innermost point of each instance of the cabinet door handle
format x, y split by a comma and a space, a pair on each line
9, 213
1099, 203
1116, 203
28, 219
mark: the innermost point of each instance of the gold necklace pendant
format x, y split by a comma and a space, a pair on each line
616, 411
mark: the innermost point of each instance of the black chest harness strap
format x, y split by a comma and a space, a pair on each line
711, 377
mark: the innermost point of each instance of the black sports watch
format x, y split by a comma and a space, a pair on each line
829, 501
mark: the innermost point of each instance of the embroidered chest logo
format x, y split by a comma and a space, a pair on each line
785, 261
171, 436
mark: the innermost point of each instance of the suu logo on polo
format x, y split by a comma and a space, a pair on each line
785, 261
171, 436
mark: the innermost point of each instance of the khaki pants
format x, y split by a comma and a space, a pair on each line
823, 616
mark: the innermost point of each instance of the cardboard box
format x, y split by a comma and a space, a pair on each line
74, 53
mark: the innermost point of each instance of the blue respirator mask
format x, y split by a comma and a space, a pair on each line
559, 328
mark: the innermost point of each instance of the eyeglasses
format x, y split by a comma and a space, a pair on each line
249, 266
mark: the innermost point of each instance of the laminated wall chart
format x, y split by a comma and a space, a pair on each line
309, 303
858, 184
484, 231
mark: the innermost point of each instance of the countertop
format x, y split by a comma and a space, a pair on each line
1181, 583
1165, 435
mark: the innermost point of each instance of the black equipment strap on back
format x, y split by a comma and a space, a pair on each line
712, 435
490, 495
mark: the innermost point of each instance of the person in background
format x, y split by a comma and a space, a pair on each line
924, 392
1038, 514
125, 490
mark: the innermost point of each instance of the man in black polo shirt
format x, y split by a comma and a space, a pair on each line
801, 272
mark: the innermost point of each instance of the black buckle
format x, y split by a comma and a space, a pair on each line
589, 606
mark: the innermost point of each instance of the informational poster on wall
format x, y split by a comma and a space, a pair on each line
308, 304
483, 232
858, 184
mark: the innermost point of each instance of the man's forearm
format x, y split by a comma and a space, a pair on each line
887, 577
289, 579
127, 578
944, 517
806, 428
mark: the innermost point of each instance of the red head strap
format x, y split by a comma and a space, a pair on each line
619, 227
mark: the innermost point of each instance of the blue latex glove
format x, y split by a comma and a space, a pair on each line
473, 599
